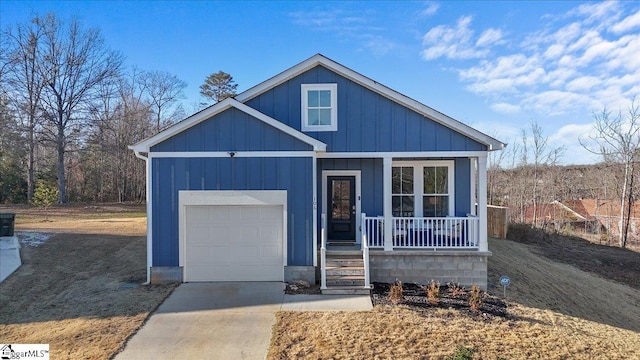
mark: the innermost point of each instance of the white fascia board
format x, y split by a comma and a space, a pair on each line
393, 95
232, 154
408, 154
225, 104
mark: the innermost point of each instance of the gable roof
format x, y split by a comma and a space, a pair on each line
372, 85
145, 145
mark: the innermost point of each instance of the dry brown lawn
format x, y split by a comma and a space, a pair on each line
81, 291
556, 312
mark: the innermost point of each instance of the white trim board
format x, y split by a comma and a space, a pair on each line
145, 145
232, 154
324, 201
228, 198
393, 95
400, 155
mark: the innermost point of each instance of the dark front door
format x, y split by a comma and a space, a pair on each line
341, 221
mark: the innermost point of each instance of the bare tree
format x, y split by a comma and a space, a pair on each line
542, 157
617, 140
75, 62
164, 91
218, 86
24, 84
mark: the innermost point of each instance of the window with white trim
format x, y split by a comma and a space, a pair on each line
402, 192
422, 188
319, 107
435, 198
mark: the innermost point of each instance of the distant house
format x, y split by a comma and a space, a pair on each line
590, 215
318, 169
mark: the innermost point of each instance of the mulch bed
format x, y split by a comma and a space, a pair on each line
415, 296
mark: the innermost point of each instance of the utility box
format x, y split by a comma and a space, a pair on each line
7, 221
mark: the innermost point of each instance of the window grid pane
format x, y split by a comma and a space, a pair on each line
324, 116
324, 98
435, 206
402, 180
436, 180
403, 206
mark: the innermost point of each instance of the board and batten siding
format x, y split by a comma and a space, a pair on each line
232, 130
372, 184
367, 121
170, 175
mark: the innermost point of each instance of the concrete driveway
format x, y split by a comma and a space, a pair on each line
224, 320
210, 321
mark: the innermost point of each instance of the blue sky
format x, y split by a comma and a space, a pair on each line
496, 66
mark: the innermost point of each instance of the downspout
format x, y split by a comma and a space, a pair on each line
148, 200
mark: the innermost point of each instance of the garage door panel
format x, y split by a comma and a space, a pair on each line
234, 243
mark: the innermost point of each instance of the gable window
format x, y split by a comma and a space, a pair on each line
319, 107
422, 188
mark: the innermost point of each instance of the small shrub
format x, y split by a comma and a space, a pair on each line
395, 293
433, 292
475, 298
455, 290
462, 353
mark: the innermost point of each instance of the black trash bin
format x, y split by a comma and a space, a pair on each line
6, 224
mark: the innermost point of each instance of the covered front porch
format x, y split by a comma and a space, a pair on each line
411, 219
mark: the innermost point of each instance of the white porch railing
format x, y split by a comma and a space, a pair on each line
365, 252
426, 232
323, 252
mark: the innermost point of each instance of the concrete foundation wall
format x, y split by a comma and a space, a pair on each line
166, 274
464, 267
306, 273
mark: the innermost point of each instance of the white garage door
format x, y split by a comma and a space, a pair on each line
234, 243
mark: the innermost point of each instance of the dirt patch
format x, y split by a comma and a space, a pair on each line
610, 262
537, 281
80, 291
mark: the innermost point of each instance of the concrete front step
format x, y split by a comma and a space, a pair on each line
344, 263
346, 290
345, 270
345, 280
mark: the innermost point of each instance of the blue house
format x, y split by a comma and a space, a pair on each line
318, 173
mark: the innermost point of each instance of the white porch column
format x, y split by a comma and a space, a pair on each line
474, 184
387, 205
314, 221
482, 202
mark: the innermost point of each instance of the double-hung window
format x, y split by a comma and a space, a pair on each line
319, 107
422, 188
402, 191
435, 195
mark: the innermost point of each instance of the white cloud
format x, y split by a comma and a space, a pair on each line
377, 45
359, 27
571, 137
629, 23
452, 42
505, 108
490, 37
431, 9
583, 83
579, 61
